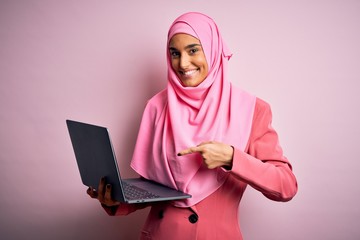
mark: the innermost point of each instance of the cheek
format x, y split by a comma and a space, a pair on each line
174, 64
205, 67
201, 60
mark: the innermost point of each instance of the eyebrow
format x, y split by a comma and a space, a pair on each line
187, 47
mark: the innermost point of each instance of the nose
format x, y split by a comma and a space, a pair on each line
184, 61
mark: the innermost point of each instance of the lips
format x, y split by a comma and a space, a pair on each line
188, 73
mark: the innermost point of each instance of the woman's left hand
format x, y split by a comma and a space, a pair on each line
214, 154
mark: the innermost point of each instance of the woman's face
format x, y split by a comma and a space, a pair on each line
188, 59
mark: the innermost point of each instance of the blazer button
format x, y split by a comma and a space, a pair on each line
161, 214
193, 218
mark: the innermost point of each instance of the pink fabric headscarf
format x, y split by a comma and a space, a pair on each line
181, 117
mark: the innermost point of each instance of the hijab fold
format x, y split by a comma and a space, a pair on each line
181, 117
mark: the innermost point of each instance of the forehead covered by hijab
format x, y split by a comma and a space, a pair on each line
201, 27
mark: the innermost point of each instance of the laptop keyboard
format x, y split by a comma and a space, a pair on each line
133, 192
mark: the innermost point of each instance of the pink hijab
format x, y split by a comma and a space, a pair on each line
181, 117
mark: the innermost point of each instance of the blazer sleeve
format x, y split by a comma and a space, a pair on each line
262, 165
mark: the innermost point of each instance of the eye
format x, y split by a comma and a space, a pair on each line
193, 50
174, 54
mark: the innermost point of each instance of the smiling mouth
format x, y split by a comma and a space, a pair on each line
188, 73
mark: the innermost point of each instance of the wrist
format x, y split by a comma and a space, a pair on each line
230, 156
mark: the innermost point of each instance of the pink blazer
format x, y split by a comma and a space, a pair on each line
262, 166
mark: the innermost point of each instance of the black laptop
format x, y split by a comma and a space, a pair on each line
95, 157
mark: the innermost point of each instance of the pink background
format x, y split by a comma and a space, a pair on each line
99, 61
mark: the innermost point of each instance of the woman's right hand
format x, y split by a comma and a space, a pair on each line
103, 194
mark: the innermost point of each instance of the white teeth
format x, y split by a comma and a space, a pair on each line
189, 72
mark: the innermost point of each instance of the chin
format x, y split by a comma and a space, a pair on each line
188, 83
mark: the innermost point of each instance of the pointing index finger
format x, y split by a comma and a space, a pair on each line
189, 151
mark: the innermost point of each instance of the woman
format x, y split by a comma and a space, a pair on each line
205, 137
